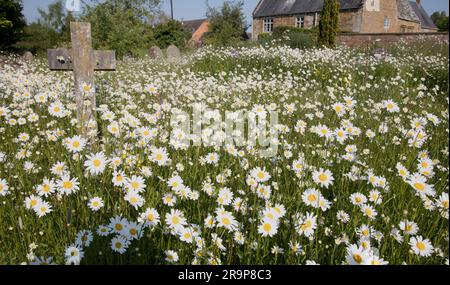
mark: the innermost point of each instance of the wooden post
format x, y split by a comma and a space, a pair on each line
84, 62
83, 66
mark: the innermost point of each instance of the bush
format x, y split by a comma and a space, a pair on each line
171, 33
290, 36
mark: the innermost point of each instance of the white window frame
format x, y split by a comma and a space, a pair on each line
387, 23
300, 22
268, 25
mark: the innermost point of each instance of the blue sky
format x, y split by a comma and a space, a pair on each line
194, 9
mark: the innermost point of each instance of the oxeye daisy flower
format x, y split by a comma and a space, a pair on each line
119, 244
419, 183
96, 163
46, 188
96, 204
187, 235
169, 200
268, 227
175, 220
84, 239
150, 217
357, 255
358, 199
226, 220
323, 178
117, 224
421, 246
132, 230
409, 227
135, 183
134, 199
159, 156
171, 256
307, 225
68, 185
42, 209
175, 182
75, 144
119, 178
3, 187
391, 106
151, 89
57, 109
73, 255
260, 175
103, 231
32, 201
58, 168
369, 211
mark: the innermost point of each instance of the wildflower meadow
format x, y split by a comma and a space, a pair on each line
358, 172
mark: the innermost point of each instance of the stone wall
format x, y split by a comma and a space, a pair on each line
385, 39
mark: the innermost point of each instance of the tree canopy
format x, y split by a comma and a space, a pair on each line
12, 23
227, 24
440, 19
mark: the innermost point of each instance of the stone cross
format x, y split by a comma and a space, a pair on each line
84, 61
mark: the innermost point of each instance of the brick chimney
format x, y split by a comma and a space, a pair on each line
418, 2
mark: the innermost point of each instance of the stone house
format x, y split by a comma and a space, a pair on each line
197, 28
356, 16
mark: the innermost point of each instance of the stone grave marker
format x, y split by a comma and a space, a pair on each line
173, 53
155, 52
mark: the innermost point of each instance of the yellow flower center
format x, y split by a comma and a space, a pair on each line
118, 227
97, 163
67, 185
267, 227
421, 246
45, 188
226, 221
175, 220
357, 258
323, 177
419, 186
311, 198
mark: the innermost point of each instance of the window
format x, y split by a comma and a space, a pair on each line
387, 23
300, 22
268, 25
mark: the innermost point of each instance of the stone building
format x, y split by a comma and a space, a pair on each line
356, 16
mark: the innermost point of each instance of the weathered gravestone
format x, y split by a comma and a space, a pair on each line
173, 53
83, 60
28, 56
155, 52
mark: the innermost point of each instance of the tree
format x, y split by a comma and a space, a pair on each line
51, 29
334, 23
329, 23
227, 25
12, 23
440, 19
122, 25
171, 32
